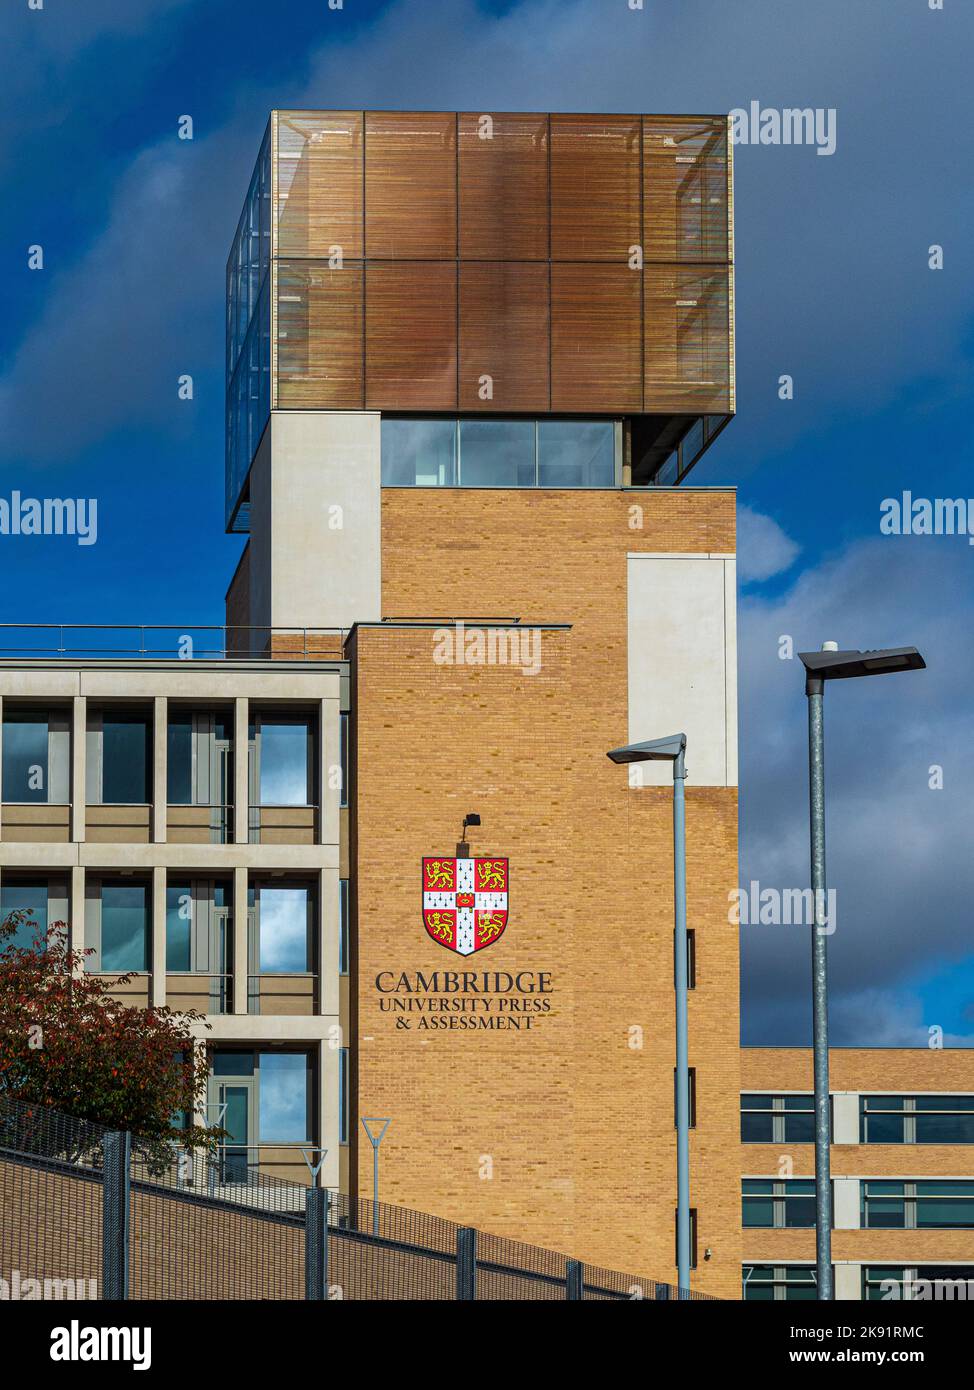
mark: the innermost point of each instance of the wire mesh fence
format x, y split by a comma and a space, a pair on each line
88, 1213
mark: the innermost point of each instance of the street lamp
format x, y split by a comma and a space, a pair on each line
829, 664
673, 750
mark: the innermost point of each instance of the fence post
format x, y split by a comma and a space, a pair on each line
316, 1243
466, 1264
573, 1279
115, 1215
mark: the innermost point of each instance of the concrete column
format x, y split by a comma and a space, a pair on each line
200, 1058
241, 783
845, 1204
157, 992
79, 787
845, 1117
328, 941
327, 1137
329, 760
848, 1282
160, 773
240, 943
76, 913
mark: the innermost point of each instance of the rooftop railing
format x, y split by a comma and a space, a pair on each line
169, 642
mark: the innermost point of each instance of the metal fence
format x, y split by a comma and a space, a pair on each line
87, 1212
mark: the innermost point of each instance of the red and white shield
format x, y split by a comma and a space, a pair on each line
465, 902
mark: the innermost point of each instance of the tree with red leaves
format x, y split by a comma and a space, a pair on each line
66, 1043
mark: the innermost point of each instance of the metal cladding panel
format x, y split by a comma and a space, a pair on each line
596, 212
411, 336
504, 337
319, 183
410, 185
497, 262
687, 351
596, 354
320, 330
503, 181
685, 189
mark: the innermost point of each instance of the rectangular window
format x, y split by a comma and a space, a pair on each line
121, 747
693, 1238
772, 1283
935, 1204
284, 929
692, 1089
925, 1119
284, 1096
198, 931
419, 453
120, 927
576, 453
944, 1206
883, 1205
343, 753
882, 1282
781, 1119
259, 1097
284, 757
500, 452
882, 1120
36, 756
343, 924
45, 900
199, 767
179, 759
343, 1107
691, 958
778, 1205
497, 453
179, 927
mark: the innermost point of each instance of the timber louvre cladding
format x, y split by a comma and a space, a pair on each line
471, 257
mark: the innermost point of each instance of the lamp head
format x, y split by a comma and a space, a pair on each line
831, 665
655, 750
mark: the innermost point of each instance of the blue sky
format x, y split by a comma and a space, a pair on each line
833, 288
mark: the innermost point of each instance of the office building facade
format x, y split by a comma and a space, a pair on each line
471, 361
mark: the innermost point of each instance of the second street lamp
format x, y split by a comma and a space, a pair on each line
829, 664
672, 750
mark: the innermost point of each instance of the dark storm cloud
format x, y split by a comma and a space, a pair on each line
832, 278
899, 852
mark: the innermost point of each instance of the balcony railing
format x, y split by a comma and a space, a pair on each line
152, 642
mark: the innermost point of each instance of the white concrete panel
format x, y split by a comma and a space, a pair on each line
315, 549
845, 1204
683, 662
845, 1117
848, 1282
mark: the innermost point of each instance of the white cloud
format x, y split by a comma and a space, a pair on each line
763, 548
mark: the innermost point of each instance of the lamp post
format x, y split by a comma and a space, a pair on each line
829, 664
376, 1136
673, 750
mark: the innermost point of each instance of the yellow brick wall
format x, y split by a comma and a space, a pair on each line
574, 1123
866, 1070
